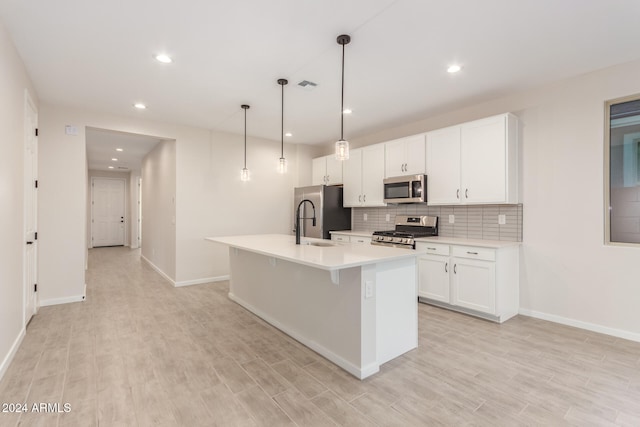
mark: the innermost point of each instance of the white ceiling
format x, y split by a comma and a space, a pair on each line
99, 55
102, 145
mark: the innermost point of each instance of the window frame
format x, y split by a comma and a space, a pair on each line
607, 169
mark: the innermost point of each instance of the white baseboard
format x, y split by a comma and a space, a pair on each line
201, 281
65, 300
158, 270
12, 352
632, 336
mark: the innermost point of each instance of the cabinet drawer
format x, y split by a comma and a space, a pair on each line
339, 237
361, 240
473, 252
433, 248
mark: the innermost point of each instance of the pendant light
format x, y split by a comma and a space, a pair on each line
244, 174
282, 165
342, 146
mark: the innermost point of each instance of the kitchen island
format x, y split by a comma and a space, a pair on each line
354, 304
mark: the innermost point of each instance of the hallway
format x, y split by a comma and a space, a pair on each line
139, 352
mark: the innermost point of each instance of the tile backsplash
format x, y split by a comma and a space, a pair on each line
470, 221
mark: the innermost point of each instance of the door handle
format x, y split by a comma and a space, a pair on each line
454, 268
458, 193
364, 198
466, 193
446, 265
29, 243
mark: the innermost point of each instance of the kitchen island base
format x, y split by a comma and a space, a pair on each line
364, 320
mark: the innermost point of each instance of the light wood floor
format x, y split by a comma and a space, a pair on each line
139, 352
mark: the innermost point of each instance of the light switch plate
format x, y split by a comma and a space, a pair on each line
502, 219
452, 219
365, 217
387, 218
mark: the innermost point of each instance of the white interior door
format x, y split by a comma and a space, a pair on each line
30, 209
107, 212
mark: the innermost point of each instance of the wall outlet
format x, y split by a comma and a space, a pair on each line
368, 289
502, 219
452, 219
387, 217
365, 217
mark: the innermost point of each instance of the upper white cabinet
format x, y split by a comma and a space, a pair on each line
443, 166
405, 156
475, 162
326, 170
363, 176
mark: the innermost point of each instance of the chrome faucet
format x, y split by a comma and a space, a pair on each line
298, 218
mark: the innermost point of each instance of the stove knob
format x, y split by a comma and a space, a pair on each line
389, 239
405, 240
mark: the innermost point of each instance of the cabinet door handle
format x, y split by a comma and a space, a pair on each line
328, 179
454, 268
466, 193
446, 265
472, 253
364, 198
458, 193
360, 198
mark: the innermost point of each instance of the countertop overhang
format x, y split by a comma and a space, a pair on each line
336, 256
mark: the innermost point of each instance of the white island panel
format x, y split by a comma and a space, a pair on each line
364, 320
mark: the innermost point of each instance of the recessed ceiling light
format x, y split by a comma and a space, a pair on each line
114, 159
165, 59
119, 149
110, 167
288, 134
347, 111
140, 106
454, 68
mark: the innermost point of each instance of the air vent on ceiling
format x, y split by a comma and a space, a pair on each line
307, 85
123, 167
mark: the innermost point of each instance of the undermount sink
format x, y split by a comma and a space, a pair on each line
322, 244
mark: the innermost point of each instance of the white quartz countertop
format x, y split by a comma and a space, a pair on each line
336, 256
496, 244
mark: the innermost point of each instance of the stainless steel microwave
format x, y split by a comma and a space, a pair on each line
405, 189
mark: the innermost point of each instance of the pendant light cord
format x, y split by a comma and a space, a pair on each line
245, 138
282, 124
342, 100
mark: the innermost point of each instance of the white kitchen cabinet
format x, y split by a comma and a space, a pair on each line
474, 284
363, 176
475, 162
405, 156
338, 237
433, 278
360, 240
475, 280
326, 170
443, 166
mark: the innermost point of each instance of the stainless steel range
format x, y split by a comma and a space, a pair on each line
407, 229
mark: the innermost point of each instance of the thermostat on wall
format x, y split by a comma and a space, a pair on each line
70, 130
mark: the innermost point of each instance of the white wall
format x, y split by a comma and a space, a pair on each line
159, 208
13, 82
133, 212
210, 198
567, 273
212, 201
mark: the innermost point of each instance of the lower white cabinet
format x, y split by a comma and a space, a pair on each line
475, 280
337, 237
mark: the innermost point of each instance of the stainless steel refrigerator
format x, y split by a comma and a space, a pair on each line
330, 214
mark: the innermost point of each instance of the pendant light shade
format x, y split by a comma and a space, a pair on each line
342, 145
245, 175
282, 164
